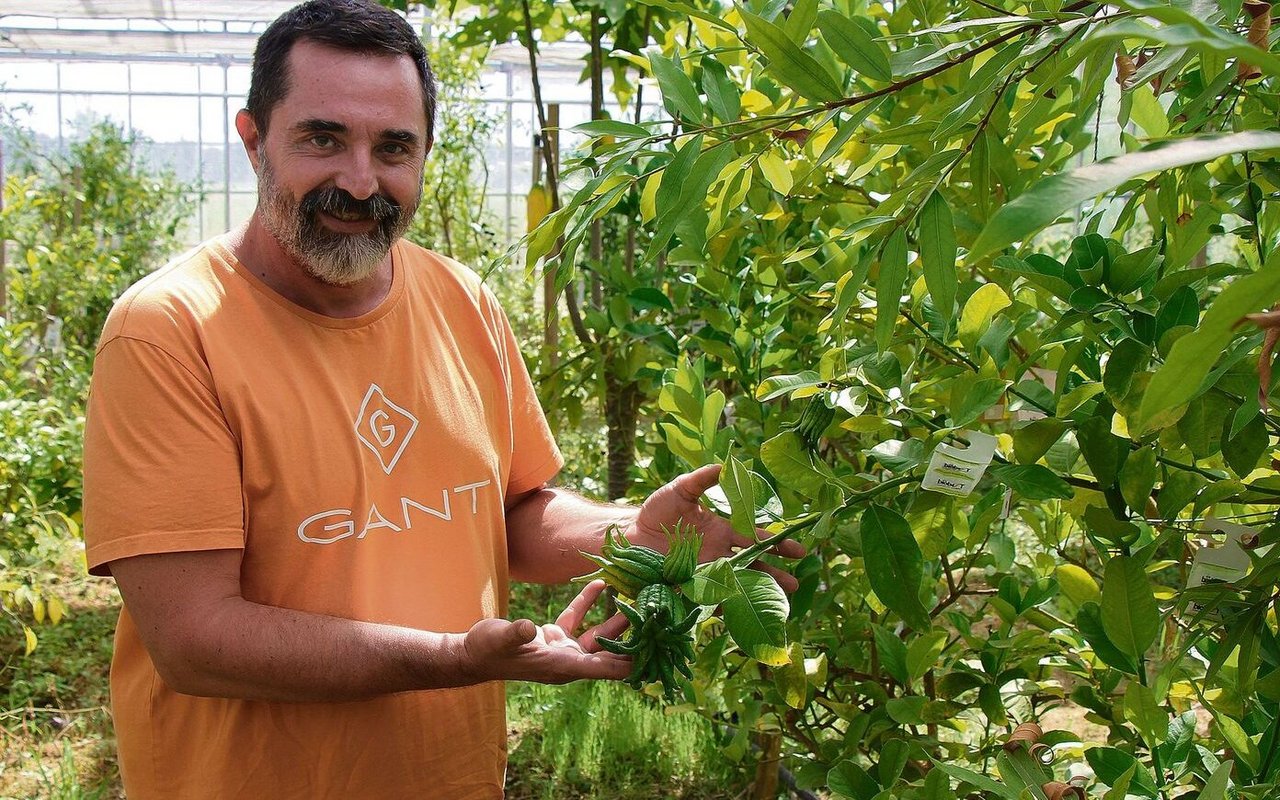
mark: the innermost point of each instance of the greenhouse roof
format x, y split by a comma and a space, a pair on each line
185, 30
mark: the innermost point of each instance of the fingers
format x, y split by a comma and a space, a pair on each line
571, 618
611, 628
785, 579
691, 485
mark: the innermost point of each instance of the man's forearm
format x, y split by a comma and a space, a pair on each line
548, 531
205, 639
251, 651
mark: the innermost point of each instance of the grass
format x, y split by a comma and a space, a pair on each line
55, 723
588, 740
577, 741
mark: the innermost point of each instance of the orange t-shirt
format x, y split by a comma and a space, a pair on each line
360, 463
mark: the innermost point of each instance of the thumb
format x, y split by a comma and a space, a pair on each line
517, 634
693, 484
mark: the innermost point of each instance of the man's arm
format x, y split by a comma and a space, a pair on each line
206, 639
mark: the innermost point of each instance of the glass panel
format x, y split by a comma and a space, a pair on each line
39, 112
15, 75
166, 119
167, 77
213, 124
95, 76
82, 111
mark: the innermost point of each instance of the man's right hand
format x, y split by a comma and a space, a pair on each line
503, 649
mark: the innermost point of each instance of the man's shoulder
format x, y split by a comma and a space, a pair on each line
175, 296
441, 271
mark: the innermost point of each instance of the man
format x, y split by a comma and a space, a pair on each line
314, 459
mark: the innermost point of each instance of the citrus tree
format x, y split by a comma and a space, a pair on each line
916, 222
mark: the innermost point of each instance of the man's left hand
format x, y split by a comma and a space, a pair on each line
680, 501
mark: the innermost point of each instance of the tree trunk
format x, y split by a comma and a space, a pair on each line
621, 412
766, 784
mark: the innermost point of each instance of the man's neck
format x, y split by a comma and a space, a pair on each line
255, 248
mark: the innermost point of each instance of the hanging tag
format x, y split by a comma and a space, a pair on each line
956, 470
1226, 564
1007, 507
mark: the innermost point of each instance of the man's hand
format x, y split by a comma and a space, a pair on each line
680, 501
505, 650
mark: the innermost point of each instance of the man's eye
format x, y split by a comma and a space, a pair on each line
322, 140
395, 149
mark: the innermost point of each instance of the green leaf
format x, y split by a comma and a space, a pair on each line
938, 254
738, 484
1089, 623
792, 66
977, 780
893, 653
723, 96
613, 127
848, 779
1032, 441
712, 583
854, 45
1144, 713
786, 456
1208, 39
977, 398
1240, 742
1129, 612
1049, 198
1127, 358
1244, 450
1194, 355
1138, 478
1033, 481
684, 186
679, 95
777, 385
894, 564
1110, 765
800, 20
1216, 787
756, 617
923, 653
1103, 451
893, 276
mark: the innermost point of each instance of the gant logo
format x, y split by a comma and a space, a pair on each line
384, 427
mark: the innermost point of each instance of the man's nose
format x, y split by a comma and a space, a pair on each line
356, 175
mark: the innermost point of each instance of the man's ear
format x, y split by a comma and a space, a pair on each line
249, 134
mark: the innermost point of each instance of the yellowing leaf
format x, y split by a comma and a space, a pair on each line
775, 171
649, 198
756, 101
981, 307
31, 639
1078, 584
56, 610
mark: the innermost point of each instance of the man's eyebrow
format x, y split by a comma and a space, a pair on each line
320, 126
400, 135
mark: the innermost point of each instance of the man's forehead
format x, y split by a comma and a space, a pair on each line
332, 88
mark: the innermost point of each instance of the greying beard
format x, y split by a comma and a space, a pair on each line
337, 259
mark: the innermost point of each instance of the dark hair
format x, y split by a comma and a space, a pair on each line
355, 25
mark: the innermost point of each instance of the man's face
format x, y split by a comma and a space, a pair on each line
340, 169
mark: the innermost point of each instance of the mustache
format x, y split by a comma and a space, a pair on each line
333, 200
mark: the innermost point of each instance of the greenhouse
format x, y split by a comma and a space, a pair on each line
677, 398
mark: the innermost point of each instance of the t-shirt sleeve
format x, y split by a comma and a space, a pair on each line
161, 466
535, 458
